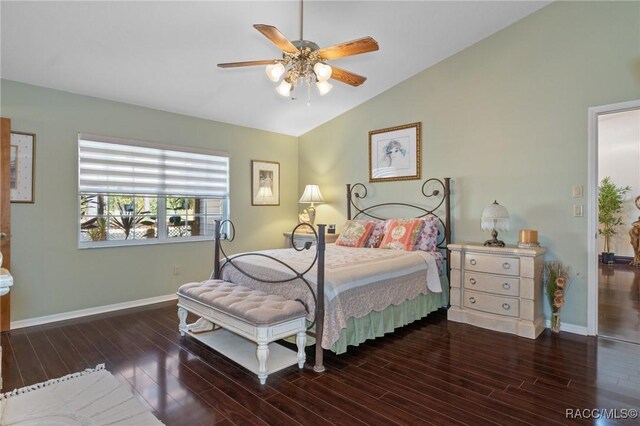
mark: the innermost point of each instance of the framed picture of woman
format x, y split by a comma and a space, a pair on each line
265, 183
394, 153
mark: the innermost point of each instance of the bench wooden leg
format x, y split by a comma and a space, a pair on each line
263, 355
182, 315
301, 341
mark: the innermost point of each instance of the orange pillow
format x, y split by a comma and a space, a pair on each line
355, 233
402, 234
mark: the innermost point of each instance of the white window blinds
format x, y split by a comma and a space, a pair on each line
111, 166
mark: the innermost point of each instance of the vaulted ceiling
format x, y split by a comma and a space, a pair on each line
163, 55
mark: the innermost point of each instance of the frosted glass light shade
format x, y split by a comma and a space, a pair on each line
323, 71
495, 216
311, 195
275, 71
284, 88
324, 87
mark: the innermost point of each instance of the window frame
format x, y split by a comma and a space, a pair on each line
162, 235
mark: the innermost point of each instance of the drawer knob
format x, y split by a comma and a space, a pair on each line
506, 286
472, 261
472, 280
506, 306
506, 265
472, 299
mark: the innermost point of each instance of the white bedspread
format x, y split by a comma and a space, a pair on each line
357, 280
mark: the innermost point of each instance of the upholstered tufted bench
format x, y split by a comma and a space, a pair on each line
254, 315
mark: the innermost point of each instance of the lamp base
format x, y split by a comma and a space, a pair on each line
494, 241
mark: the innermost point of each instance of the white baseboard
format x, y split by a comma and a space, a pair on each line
570, 328
91, 311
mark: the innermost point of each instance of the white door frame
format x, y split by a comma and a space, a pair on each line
592, 211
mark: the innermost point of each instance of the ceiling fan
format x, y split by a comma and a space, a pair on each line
304, 62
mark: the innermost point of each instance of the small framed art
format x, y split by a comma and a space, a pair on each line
265, 183
22, 165
394, 153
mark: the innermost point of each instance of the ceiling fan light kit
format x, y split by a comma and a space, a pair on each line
304, 63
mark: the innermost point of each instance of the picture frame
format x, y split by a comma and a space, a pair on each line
265, 183
22, 167
394, 153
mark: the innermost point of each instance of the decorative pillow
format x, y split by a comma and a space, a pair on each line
401, 234
428, 238
355, 233
377, 234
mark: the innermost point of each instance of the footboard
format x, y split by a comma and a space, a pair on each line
221, 259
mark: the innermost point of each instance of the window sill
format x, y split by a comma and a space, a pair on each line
141, 242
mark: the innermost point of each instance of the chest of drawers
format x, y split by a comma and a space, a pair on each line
499, 288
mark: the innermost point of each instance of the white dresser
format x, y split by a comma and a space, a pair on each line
499, 288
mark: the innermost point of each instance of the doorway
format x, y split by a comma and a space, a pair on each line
614, 285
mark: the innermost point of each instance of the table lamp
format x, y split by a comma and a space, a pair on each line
495, 218
312, 196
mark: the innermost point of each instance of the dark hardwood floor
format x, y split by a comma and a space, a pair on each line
430, 372
619, 302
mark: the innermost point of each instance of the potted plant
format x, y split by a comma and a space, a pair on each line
610, 206
176, 204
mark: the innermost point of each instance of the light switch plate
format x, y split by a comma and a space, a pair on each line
577, 191
577, 210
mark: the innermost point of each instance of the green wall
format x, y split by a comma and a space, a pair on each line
507, 120
51, 274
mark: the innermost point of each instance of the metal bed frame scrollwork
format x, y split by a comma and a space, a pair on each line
442, 189
444, 238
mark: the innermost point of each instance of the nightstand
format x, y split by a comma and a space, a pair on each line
300, 238
499, 288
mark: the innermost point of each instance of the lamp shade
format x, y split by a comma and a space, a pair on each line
264, 195
275, 71
324, 87
323, 71
311, 195
495, 216
284, 88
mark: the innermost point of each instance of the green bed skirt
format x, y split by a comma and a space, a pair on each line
378, 323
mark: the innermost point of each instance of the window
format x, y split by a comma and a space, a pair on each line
134, 193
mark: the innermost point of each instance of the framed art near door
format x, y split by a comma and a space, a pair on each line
22, 163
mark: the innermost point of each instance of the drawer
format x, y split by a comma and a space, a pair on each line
496, 284
499, 305
492, 264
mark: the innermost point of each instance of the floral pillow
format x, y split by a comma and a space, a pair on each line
355, 233
402, 234
428, 238
377, 234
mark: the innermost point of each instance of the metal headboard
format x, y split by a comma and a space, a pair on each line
435, 190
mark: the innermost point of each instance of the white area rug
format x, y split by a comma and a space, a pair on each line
92, 397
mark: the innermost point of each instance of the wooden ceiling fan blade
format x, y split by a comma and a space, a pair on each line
276, 37
247, 63
350, 48
347, 77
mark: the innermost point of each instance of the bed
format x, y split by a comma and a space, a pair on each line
359, 293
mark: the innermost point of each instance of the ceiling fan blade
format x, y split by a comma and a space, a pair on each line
347, 77
247, 63
350, 48
276, 37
